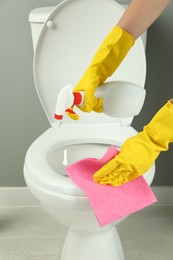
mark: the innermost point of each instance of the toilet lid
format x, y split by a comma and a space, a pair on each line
68, 41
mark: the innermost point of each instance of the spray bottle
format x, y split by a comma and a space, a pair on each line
120, 99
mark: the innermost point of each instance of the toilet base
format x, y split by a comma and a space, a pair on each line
85, 239
92, 245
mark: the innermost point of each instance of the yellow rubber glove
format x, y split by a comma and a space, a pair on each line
138, 153
106, 60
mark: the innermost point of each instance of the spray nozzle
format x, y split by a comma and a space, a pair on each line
66, 99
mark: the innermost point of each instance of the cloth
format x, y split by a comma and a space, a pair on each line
110, 203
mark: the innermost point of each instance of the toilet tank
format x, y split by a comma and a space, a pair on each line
39, 16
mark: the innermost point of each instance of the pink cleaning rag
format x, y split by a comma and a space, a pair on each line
110, 203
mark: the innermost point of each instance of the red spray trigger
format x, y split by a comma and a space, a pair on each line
77, 98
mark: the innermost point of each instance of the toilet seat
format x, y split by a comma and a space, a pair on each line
68, 41
38, 168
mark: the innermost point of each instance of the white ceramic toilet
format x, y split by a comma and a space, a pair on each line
65, 39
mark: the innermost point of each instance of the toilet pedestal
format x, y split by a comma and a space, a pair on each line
91, 245
85, 239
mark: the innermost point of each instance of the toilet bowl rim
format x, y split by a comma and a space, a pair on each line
47, 178
36, 157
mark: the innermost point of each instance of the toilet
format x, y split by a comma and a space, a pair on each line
65, 38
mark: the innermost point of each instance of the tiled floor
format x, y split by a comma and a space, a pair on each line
28, 233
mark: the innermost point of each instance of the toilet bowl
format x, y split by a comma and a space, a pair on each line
45, 175
59, 41
53, 151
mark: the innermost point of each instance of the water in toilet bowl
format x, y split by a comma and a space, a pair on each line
61, 157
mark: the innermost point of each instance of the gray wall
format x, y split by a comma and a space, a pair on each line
21, 116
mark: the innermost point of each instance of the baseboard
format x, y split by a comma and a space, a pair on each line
21, 196
17, 197
164, 194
